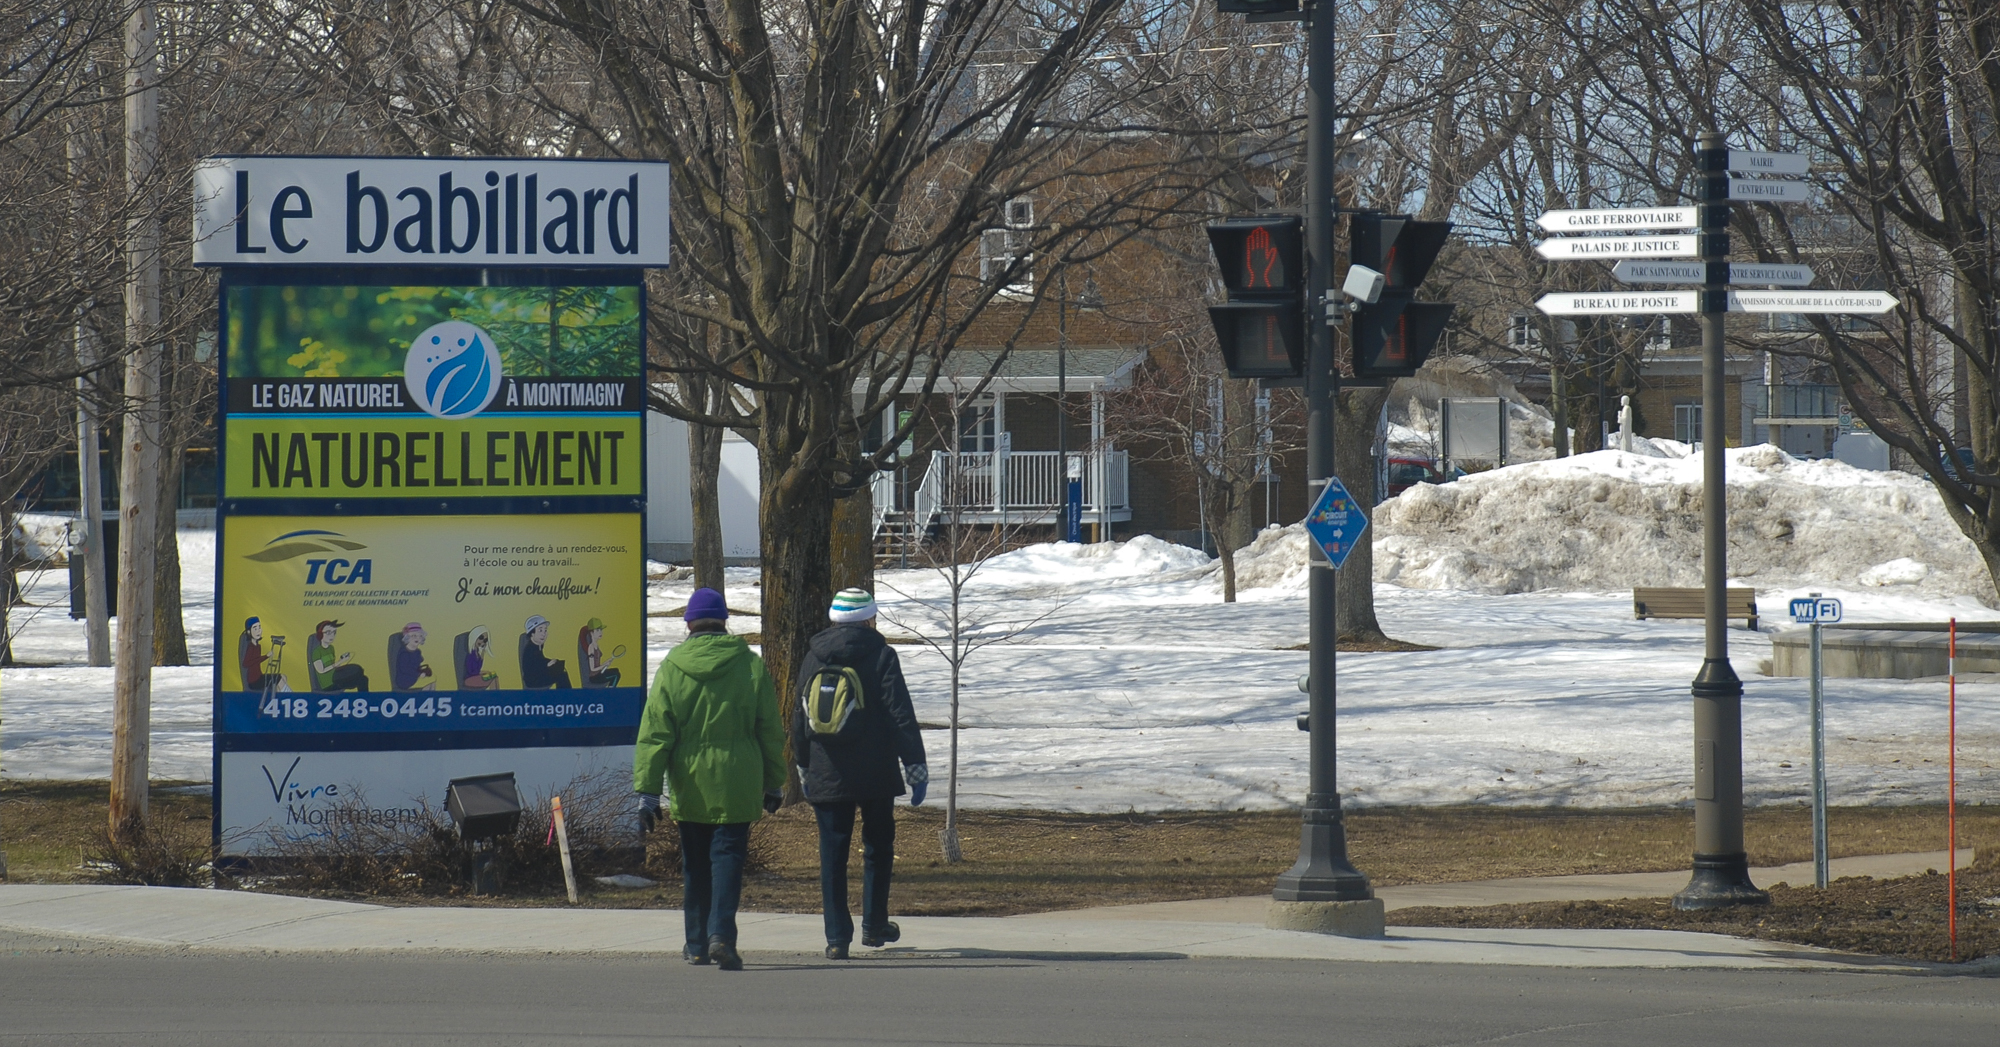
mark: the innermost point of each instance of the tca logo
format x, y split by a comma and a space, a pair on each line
339, 572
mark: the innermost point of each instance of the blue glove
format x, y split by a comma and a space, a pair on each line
649, 811
919, 777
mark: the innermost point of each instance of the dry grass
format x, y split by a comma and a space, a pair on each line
1032, 862
1904, 917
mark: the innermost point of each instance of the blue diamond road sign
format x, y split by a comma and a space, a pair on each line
1336, 522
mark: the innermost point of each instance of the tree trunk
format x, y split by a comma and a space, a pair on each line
8, 593
853, 532
795, 520
169, 632
1559, 408
1354, 462
704, 476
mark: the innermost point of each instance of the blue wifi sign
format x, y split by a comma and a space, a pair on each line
1815, 610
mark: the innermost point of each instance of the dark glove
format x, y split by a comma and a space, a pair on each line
649, 811
919, 777
773, 801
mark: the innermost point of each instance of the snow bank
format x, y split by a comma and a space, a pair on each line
1609, 520
43, 537
1142, 556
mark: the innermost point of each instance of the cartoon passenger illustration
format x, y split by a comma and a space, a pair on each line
331, 671
260, 673
407, 671
539, 672
596, 667
477, 648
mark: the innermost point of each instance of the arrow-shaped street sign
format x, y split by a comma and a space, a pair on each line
1751, 161
1768, 190
1619, 218
1619, 302
1684, 245
1632, 272
1868, 303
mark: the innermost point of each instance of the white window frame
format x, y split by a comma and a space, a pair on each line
1008, 244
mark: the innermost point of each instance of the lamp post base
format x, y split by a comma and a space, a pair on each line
1721, 881
1362, 919
1322, 873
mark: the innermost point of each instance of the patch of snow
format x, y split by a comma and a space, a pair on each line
1900, 571
44, 537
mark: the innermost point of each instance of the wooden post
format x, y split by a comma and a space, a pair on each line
138, 483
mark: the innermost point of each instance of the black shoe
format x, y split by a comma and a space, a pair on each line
726, 956
881, 936
694, 955
836, 951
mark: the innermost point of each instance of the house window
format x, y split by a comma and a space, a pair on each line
1687, 423
1523, 332
1004, 252
975, 426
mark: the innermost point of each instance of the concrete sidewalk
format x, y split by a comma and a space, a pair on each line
161, 917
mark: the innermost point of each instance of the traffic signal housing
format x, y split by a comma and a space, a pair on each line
1395, 334
1261, 329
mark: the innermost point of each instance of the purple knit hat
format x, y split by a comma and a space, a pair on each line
706, 603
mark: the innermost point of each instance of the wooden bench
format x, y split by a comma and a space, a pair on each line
1665, 602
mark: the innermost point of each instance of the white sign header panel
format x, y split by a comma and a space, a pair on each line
1619, 302
475, 212
1620, 219
1769, 190
1868, 303
1751, 161
1685, 245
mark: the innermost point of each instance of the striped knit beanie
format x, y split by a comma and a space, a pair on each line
852, 605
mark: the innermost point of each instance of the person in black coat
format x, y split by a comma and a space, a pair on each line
860, 767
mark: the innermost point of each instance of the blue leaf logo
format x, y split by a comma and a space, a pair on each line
452, 370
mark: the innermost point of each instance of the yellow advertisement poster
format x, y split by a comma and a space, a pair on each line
431, 623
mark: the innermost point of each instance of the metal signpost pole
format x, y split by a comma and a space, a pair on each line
1818, 756
1721, 867
1323, 873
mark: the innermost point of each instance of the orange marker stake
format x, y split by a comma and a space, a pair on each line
562, 839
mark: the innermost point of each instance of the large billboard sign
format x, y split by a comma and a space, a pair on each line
430, 559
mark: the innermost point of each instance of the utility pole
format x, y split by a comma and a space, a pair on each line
1721, 864
90, 490
138, 482
1322, 891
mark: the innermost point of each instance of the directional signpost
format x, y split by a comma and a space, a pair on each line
1586, 248
1767, 273
1721, 868
1814, 611
1336, 523
1863, 303
1589, 303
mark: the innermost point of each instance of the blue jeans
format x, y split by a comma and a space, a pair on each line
712, 879
878, 860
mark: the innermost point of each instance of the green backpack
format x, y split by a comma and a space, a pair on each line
831, 696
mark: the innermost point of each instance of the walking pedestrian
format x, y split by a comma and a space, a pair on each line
852, 726
710, 738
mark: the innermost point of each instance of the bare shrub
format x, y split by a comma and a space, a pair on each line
156, 854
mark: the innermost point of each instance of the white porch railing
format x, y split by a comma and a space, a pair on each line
1029, 483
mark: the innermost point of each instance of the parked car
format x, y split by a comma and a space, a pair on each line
1955, 458
1405, 473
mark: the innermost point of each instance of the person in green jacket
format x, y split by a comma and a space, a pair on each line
711, 738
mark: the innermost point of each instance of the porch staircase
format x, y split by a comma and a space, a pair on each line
900, 535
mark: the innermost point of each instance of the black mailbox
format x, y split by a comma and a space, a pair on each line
484, 806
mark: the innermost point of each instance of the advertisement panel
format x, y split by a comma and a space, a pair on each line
431, 552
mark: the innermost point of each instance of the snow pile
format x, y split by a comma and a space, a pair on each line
43, 537
1275, 559
1142, 556
1609, 520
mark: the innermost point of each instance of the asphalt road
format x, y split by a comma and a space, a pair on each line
53, 994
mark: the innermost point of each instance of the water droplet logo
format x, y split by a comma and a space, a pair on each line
452, 370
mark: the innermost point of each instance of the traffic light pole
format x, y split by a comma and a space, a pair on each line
1322, 891
1721, 866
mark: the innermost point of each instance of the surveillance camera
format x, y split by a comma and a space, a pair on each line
1363, 284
